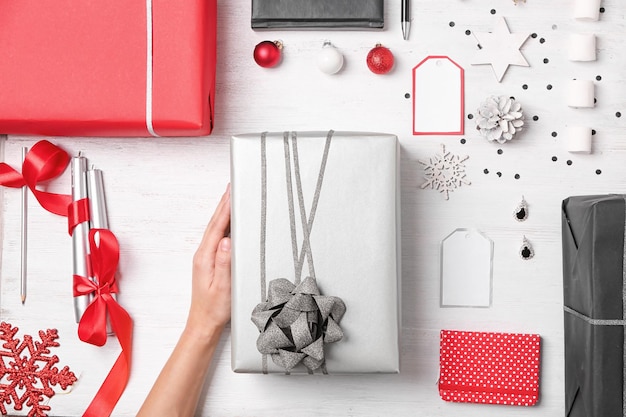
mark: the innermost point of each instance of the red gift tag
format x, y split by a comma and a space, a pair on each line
489, 368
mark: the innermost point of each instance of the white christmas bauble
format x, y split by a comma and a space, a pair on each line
329, 60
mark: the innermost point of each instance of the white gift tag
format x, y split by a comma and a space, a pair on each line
466, 269
438, 97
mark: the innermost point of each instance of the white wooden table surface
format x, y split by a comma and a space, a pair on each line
161, 193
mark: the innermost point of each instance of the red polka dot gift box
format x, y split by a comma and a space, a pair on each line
489, 368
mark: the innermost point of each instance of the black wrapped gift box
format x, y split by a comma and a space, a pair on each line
313, 14
594, 280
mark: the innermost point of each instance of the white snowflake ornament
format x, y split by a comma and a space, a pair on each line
445, 172
499, 118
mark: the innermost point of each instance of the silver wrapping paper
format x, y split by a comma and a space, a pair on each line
355, 241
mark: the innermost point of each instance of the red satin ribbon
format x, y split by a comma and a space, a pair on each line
43, 163
92, 327
77, 212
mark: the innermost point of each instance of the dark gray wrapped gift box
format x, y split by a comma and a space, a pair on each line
594, 285
317, 14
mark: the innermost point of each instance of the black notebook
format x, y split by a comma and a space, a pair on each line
311, 14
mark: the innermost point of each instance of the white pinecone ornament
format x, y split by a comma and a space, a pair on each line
499, 118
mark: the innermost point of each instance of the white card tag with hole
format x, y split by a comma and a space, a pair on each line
438, 97
466, 269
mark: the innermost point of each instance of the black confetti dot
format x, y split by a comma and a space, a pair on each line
525, 87
542, 40
546, 60
463, 141
468, 32
598, 171
554, 158
407, 95
512, 98
554, 134
595, 100
602, 10
451, 24
535, 118
534, 35
470, 116
618, 114
549, 86
593, 132
499, 174
493, 11
569, 162
500, 151
486, 171
517, 176
598, 77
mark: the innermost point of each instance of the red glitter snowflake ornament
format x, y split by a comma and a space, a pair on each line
25, 374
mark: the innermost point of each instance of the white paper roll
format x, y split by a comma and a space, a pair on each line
582, 47
581, 93
588, 10
579, 139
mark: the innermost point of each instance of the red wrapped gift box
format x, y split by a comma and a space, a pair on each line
114, 68
489, 367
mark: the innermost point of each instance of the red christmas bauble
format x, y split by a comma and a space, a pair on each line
380, 60
267, 53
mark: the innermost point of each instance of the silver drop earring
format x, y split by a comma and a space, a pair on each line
526, 251
521, 211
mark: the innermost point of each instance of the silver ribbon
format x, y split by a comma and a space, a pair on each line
295, 320
149, 72
614, 322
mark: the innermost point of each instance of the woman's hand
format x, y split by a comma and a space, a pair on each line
210, 297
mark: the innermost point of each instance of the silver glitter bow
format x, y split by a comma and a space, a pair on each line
296, 322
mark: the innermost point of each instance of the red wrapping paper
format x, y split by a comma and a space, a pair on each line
82, 68
489, 368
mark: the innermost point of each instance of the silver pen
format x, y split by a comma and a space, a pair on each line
80, 234
97, 202
405, 18
98, 209
24, 244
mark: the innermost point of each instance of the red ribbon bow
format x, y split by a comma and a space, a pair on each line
43, 163
104, 257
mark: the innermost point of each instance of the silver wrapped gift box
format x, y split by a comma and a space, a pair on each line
316, 252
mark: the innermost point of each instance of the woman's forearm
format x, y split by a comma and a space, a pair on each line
177, 389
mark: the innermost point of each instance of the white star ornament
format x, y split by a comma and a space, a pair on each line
500, 49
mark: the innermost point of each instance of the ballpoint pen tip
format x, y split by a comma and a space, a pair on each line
406, 25
23, 299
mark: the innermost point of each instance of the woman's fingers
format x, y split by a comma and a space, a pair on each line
217, 228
